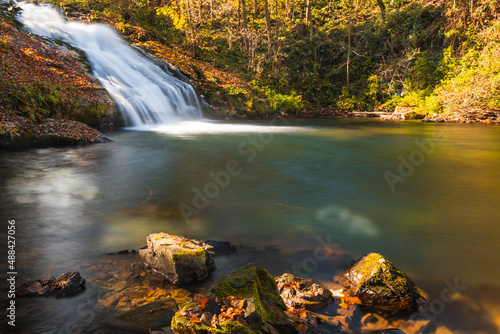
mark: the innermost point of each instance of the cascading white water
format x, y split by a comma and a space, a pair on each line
145, 94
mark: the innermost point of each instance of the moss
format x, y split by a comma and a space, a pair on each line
381, 276
182, 325
200, 252
233, 327
256, 283
16, 139
379, 283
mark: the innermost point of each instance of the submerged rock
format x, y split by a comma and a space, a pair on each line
301, 293
377, 282
67, 284
222, 247
154, 315
181, 260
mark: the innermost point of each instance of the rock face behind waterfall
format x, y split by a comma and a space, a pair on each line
181, 260
377, 282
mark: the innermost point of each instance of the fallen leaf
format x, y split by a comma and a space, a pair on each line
195, 319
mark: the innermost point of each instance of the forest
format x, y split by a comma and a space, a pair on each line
283, 56
228, 190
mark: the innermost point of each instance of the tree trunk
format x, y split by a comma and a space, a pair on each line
380, 3
244, 13
239, 15
255, 8
277, 22
229, 30
309, 19
245, 25
307, 10
190, 27
268, 26
348, 49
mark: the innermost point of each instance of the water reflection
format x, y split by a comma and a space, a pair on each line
73, 205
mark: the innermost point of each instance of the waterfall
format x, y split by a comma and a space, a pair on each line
145, 94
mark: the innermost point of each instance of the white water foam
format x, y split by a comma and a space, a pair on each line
217, 127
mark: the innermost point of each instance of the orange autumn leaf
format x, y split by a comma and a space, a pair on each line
195, 319
203, 302
353, 300
302, 327
343, 304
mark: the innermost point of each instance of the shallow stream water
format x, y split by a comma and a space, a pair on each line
426, 196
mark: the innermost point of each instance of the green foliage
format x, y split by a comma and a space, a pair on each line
285, 103
424, 74
391, 104
441, 57
4, 46
34, 100
231, 90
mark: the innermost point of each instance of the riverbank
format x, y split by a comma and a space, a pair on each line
469, 117
18, 131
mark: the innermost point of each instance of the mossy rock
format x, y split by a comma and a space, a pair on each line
16, 139
181, 260
102, 114
182, 324
259, 288
378, 283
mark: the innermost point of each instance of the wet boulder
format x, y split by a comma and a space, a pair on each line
263, 308
67, 284
378, 283
181, 260
301, 293
207, 316
155, 315
35, 288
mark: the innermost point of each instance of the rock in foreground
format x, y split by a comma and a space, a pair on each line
249, 303
154, 315
301, 293
264, 305
376, 282
67, 284
181, 260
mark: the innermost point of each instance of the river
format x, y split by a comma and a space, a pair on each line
424, 195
